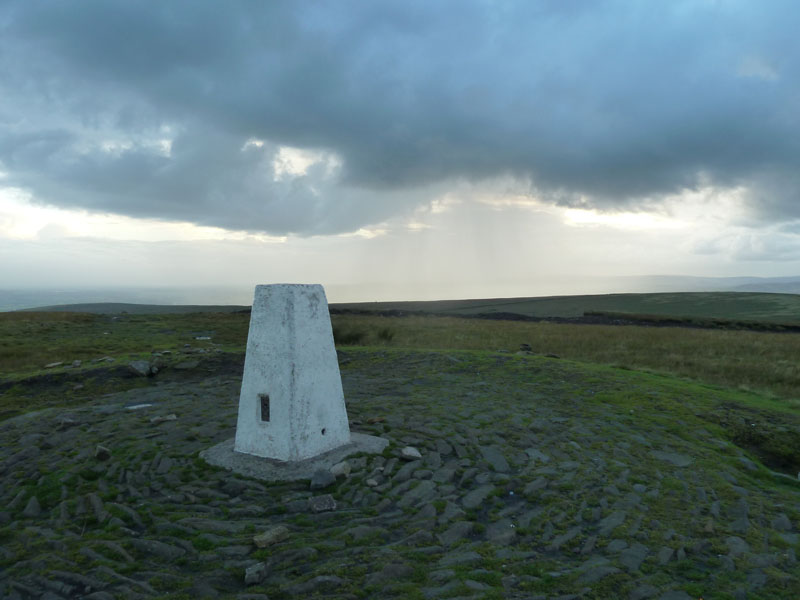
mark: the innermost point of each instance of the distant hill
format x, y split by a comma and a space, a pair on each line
746, 306
778, 287
680, 283
749, 306
115, 308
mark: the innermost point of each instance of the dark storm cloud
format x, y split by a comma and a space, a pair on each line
603, 103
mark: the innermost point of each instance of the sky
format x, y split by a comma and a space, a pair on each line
398, 150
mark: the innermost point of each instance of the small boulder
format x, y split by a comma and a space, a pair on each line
341, 469
140, 368
102, 453
319, 504
410, 453
736, 546
271, 536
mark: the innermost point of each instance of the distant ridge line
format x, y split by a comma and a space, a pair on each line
691, 309
115, 308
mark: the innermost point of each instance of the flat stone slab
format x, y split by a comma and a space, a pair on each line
268, 469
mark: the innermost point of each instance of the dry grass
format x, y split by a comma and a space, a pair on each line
764, 362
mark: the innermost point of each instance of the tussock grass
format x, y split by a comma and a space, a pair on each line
30, 340
768, 363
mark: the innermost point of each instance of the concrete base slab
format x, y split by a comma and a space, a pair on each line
268, 469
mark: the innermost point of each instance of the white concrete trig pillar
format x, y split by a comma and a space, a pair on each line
291, 405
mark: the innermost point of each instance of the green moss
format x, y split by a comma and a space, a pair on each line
303, 520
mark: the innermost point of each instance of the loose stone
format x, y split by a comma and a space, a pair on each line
495, 458
665, 554
444, 475
100, 513
443, 448
736, 546
360, 532
450, 512
255, 574
410, 453
33, 508
341, 469
405, 472
323, 503
271, 536
632, 558
537, 455
476, 497
17, 500
612, 521
140, 368
535, 486
425, 491
456, 532
433, 460
164, 465
501, 533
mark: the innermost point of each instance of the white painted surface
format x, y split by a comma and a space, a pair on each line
291, 357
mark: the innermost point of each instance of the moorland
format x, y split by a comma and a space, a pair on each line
559, 459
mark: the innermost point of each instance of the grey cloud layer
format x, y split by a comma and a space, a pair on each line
606, 103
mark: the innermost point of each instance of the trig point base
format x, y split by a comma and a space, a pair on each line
291, 406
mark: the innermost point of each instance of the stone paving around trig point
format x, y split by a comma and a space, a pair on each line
537, 478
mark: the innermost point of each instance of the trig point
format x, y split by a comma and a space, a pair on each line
292, 419
291, 405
